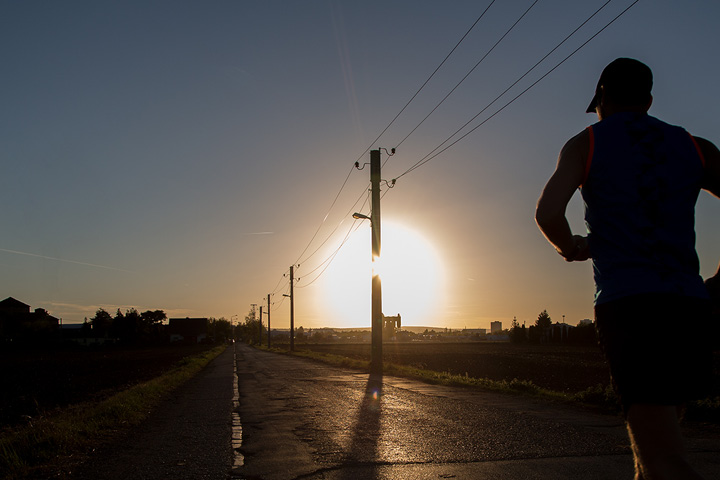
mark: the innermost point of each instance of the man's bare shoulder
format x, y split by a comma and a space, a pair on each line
577, 148
707, 147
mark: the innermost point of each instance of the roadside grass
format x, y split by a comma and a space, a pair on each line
599, 397
76, 428
525, 387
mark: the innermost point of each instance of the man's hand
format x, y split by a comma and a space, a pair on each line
579, 252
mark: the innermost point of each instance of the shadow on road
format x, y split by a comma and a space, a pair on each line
363, 448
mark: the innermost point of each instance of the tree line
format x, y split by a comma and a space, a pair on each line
129, 327
545, 332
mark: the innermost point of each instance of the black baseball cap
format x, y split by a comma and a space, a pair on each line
627, 80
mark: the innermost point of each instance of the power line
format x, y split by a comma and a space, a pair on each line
435, 152
336, 227
378, 137
334, 254
326, 215
468, 73
426, 81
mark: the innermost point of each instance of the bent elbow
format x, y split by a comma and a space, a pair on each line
543, 218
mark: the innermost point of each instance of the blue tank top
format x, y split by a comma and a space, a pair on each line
643, 179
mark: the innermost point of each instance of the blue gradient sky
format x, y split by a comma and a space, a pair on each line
181, 155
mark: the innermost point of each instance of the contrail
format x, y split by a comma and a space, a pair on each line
64, 260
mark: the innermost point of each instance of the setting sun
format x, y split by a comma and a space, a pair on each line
411, 273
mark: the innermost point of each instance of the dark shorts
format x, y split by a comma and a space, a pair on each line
658, 346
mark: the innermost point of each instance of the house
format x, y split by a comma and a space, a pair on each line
559, 332
391, 325
17, 322
188, 330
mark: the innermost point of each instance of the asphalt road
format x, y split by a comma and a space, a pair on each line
305, 420
286, 418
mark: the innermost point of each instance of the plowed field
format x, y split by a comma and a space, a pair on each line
555, 367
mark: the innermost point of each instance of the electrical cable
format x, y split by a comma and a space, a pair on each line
334, 254
336, 227
380, 135
426, 81
468, 73
326, 215
434, 153
431, 156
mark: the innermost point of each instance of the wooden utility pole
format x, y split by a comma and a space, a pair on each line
253, 305
260, 330
377, 323
268, 314
292, 310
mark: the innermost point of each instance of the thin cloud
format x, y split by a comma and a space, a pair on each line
259, 233
86, 264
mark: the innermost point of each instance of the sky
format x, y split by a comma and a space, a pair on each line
182, 155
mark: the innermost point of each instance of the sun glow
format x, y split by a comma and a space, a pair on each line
410, 271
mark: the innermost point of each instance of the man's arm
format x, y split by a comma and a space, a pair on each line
711, 183
711, 180
550, 211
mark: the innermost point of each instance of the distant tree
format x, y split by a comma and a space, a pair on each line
221, 329
517, 333
543, 321
127, 327
152, 325
319, 337
153, 317
248, 330
101, 323
86, 328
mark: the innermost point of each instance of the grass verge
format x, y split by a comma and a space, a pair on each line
599, 397
77, 427
429, 376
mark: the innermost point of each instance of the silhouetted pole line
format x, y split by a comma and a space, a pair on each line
260, 329
292, 309
376, 325
268, 315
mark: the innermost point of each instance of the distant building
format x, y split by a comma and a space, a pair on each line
475, 331
495, 327
188, 330
17, 322
559, 332
585, 321
390, 326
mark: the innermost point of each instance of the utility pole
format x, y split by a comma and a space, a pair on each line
268, 314
253, 305
292, 309
376, 327
260, 330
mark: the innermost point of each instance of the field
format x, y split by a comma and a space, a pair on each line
554, 367
40, 380
561, 368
